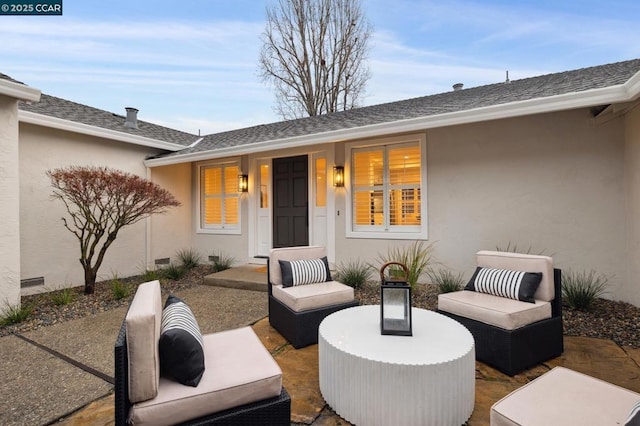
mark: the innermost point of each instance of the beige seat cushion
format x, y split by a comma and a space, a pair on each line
239, 371
498, 311
311, 296
564, 397
525, 263
143, 331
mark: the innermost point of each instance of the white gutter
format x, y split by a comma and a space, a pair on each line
19, 91
619, 93
86, 129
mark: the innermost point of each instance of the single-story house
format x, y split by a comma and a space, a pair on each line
549, 162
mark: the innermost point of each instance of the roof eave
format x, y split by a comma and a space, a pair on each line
86, 129
612, 94
19, 91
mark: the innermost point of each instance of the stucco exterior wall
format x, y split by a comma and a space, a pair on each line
173, 230
552, 182
9, 207
631, 292
48, 249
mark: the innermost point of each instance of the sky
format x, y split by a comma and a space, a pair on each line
192, 65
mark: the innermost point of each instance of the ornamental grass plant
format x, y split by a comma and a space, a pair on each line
416, 257
119, 289
189, 258
63, 296
221, 261
354, 273
15, 314
445, 280
581, 289
174, 272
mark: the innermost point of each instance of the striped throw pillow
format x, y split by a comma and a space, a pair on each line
181, 346
634, 416
307, 271
517, 285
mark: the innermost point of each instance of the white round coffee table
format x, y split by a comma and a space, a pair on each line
371, 379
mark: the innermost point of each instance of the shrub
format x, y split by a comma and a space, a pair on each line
119, 289
222, 261
446, 281
64, 296
416, 258
354, 273
15, 313
175, 272
151, 275
581, 289
189, 258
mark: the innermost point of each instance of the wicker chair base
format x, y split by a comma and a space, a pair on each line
271, 411
513, 351
300, 328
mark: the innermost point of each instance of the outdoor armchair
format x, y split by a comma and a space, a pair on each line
516, 324
302, 293
240, 383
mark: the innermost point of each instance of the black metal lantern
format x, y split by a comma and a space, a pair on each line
395, 300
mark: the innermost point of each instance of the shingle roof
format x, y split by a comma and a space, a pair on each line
72, 111
455, 101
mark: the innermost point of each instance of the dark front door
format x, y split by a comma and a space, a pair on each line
290, 202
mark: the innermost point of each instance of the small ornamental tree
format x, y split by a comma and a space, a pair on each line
100, 202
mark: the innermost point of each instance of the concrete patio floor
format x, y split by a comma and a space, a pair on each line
61, 373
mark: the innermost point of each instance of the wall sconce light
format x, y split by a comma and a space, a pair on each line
243, 183
338, 176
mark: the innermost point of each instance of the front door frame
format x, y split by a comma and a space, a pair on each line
258, 249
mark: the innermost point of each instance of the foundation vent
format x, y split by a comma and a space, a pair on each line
32, 282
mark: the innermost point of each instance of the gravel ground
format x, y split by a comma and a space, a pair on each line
607, 319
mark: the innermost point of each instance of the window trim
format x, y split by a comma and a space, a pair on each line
216, 229
417, 232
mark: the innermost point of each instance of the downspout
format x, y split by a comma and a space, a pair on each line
147, 232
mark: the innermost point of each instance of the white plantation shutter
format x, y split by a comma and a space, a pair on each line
386, 188
219, 196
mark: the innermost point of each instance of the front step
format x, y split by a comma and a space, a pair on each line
245, 277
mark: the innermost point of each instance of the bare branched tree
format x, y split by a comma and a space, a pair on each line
314, 53
100, 201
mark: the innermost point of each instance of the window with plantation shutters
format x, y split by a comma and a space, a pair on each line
387, 189
219, 197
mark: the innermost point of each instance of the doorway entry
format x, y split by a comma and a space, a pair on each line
290, 201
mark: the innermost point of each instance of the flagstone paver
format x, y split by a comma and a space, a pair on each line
41, 387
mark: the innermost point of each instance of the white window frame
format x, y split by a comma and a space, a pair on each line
377, 231
235, 229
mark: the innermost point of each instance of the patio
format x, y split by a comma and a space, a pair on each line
62, 371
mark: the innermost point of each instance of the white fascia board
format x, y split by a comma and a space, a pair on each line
632, 86
587, 98
19, 91
86, 129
